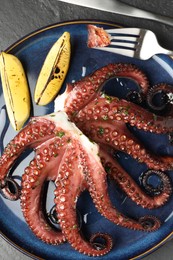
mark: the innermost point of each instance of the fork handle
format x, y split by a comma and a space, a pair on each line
165, 51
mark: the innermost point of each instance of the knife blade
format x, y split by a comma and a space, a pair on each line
117, 7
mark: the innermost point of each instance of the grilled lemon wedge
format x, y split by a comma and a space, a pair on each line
53, 71
15, 89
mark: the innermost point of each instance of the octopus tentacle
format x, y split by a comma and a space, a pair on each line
99, 194
129, 186
37, 131
44, 167
69, 186
79, 94
111, 108
118, 137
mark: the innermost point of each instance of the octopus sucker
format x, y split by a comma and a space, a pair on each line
75, 147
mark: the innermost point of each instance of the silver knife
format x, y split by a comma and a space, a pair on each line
114, 6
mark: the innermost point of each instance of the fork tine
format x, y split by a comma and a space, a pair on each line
118, 50
123, 37
126, 31
126, 44
123, 41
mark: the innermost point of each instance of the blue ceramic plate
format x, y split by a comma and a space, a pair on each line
128, 244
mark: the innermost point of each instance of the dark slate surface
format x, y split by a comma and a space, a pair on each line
20, 17
163, 7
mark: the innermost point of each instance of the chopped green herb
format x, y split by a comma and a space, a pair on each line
74, 226
109, 98
108, 169
91, 141
155, 117
101, 130
60, 133
124, 110
105, 117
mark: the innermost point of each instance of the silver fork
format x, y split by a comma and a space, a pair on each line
134, 42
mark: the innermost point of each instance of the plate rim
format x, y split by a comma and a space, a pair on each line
13, 46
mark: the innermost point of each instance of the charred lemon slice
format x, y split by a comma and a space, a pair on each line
53, 71
15, 89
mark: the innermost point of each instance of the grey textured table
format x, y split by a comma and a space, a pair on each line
20, 17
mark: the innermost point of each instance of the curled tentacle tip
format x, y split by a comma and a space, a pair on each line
160, 98
150, 223
101, 241
134, 97
163, 182
53, 217
11, 189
